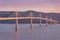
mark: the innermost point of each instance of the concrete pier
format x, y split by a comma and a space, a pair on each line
40, 20
31, 24
46, 21
16, 21
51, 21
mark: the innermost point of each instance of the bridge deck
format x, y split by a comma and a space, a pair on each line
14, 18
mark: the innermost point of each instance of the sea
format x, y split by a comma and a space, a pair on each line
26, 32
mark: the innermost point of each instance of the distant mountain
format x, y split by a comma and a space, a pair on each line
55, 16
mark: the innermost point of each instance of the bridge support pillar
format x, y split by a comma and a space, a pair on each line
40, 22
16, 25
46, 21
31, 23
16, 29
31, 20
55, 22
51, 22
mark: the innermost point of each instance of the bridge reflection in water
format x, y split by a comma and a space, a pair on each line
19, 32
24, 32
31, 18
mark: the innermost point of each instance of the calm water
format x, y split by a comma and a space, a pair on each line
50, 32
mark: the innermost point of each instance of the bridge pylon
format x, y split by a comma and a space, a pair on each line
51, 21
31, 20
40, 20
56, 22
16, 28
46, 21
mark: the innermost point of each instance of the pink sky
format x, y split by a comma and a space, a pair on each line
37, 5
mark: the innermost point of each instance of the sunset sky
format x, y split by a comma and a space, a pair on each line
37, 5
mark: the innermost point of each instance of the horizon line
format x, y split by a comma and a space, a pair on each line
29, 10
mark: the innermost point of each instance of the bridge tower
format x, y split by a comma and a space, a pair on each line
56, 22
31, 20
46, 21
51, 21
16, 21
40, 20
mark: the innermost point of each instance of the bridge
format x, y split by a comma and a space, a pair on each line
31, 18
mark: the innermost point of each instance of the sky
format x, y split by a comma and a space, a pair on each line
24, 5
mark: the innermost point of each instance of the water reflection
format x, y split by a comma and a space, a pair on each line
16, 35
30, 32
16, 29
31, 28
41, 29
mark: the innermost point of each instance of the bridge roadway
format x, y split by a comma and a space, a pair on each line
14, 18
